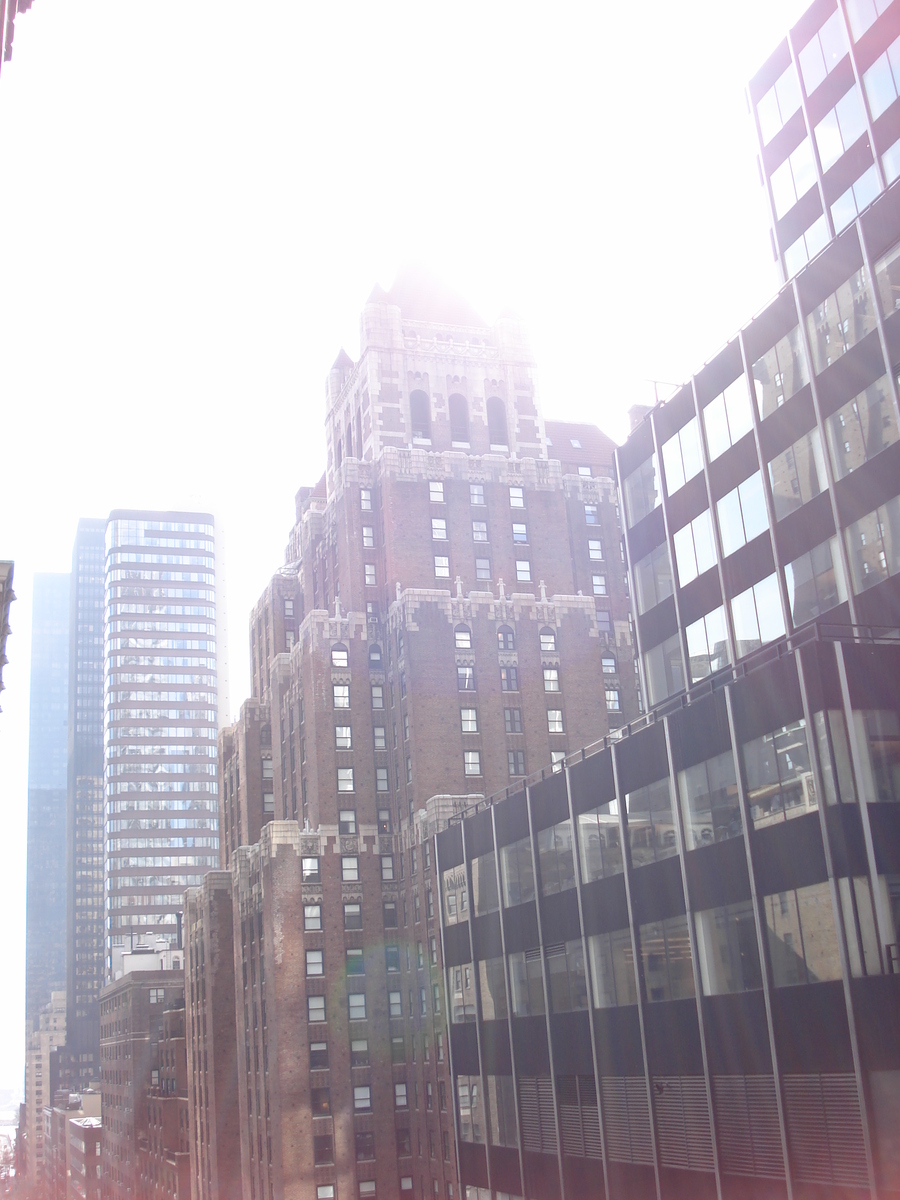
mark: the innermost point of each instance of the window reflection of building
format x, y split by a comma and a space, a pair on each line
651, 823
779, 778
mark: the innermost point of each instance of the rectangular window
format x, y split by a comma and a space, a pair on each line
709, 801
595, 549
472, 762
604, 624
377, 695
392, 958
598, 582
523, 570
611, 961
599, 842
400, 1100
556, 858
436, 493
438, 529
492, 988
517, 873
841, 320
469, 720
567, 976
482, 568
591, 514
666, 956
551, 679
682, 456
356, 1006
312, 916
441, 566
387, 867
381, 779
395, 1004
365, 499
864, 427
526, 984
803, 945
613, 700
341, 693
651, 823
349, 868
380, 742
695, 548
355, 962
757, 616
815, 582
707, 640
554, 720
315, 964
352, 916
797, 475
347, 821
368, 537
516, 497
516, 762
485, 898
476, 493
727, 418
479, 531
471, 1117
345, 779
315, 1008
642, 491
362, 1099
512, 719
780, 373
465, 679
342, 737
780, 783
653, 578
318, 1056
509, 679
365, 1150
726, 949
310, 870
520, 534
370, 574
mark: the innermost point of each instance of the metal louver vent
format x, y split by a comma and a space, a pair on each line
537, 1113
626, 1118
579, 1121
683, 1126
747, 1126
825, 1135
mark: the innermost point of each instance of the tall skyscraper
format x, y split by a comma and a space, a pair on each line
160, 720
45, 896
84, 817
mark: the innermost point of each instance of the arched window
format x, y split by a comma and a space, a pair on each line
548, 640
463, 637
609, 664
375, 657
496, 416
459, 418
506, 639
339, 656
420, 415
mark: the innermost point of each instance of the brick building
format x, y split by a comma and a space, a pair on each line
164, 1154
452, 617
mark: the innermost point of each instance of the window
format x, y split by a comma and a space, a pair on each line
803, 945
392, 958
469, 720
707, 643
815, 582
362, 1099
599, 842
509, 679
355, 962
368, 537
653, 578
612, 969
841, 320
526, 984
341, 693
359, 1051
727, 418
554, 720
365, 499
315, 962
517, 872
780, 373
642, 491
347, 822
482, 568
365, 1150
516, 497
822, 52
352, 916
666, 955
479, 531
520, 534
864, 427
591, 514
472, 762
366, 1186
651, 823
598, 583
157, 995
496, 418
682, 456
438, 529
471, 1119
381, 779
310, 870
779, 104
315, 1008
872, 548
613, 700
779, 778
742, 514
395, 1005
727, 949
345, 779
859, 195
325, 1191
404, 1145
436, 493
506, 639
523, 570
318, 1056
400, 1100
556, 858
757, 616
370, 574
349, 868
387, 867
512, 720
441, 566
840, 128
567, 976
459, 420
476, 493
465, 679
377, 695
595, 550
551, 679
516, 761
384, 820
356, 1005
604, 624
608, 664
320, 1101
548, 641
797, 475
406, 1183
420, 416
288, 608
342, 739
695, 548
793, 178
462, 636
380, 741
312, 916
485, 898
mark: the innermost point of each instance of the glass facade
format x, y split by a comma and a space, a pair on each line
160, 719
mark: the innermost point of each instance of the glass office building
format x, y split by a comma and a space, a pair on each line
160, 720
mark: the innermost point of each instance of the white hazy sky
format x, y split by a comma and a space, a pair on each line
197, 199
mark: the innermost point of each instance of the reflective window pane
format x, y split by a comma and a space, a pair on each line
613, 978
681, 455
517, 872
707, 642
873, 546
878, 734
642, 491
841, 320
797, 475
780, 373
526, 984
803, 945
599, 842
710, 804
663, 669
492, 986
567, 976
757, 616
862, 428
815, 582
653, 578
727, 949
484, 884
779, 777
556, 858
651, 823
666, 955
